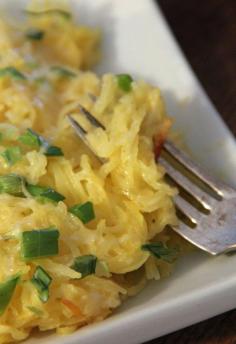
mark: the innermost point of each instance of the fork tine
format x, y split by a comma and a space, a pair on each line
77, 127
194, 167
202, 197
196, 237
187, 209
81, 132
96, 123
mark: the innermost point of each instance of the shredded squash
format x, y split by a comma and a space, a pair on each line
131, 200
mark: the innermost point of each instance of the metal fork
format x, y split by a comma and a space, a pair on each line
214, 232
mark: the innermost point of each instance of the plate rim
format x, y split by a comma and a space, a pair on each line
142, 327
144, 321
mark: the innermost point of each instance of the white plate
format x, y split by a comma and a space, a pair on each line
137, 40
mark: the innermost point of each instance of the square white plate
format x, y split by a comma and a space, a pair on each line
138, 41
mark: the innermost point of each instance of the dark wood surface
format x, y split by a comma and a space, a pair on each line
206, 31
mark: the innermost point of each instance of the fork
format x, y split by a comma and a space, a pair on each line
214, 231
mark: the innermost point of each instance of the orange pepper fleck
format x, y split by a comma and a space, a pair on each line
159, 140
72, 307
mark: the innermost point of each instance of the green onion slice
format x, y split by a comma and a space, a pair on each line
84, 212
11, 184
39, 243
34, 34
86, 265
57, 11
6, 292
14, 184
32, 139
124, 82
52, 150
62, 71
52, 195
159, 250
12, 155
41, 280
42, 192
12, 72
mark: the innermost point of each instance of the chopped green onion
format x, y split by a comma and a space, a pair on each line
52, 195
12, 155
159, 250
35, 310
48, 149
34, 190
14, 184
11, 184
32, 139
56, 11
34, 34
53, 151
86, 265
43, 192
84, 212
41, 280
12, 72
39, 243
63, 72
41, 275
6, 292
124, 82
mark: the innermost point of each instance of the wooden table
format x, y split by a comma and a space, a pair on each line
206, 31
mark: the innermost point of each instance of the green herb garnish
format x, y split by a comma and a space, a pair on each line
11, 184
12, 72
44, 192
84, 212
41, 280
32, 139
52, 11
34, 34
159, 250
12, 155
39, 243
124, 82
52, 150
63, 72
6, 292
14, 184
86, 265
